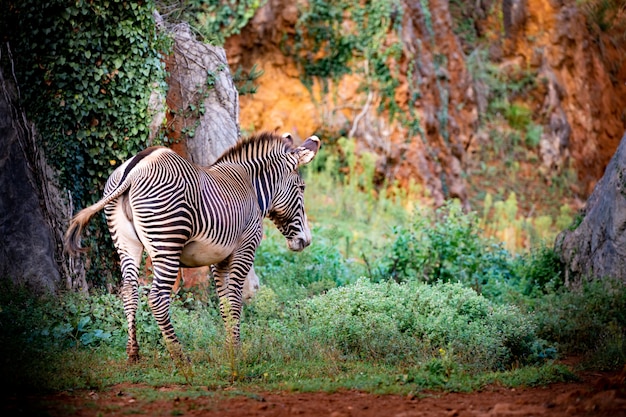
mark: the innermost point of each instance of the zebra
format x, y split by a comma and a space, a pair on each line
185, 215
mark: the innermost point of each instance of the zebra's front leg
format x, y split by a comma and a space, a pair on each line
165, 273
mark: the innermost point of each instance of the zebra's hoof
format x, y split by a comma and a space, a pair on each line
177, 353
133, 358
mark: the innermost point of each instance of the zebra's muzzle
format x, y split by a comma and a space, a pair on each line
298, 243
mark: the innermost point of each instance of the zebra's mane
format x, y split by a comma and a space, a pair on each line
256, 146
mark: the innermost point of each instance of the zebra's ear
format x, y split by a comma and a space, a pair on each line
308, 150
288, 138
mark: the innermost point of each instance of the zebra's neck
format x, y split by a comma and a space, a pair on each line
263, 158
264, 180
263, 176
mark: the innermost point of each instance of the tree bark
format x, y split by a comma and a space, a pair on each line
202, 98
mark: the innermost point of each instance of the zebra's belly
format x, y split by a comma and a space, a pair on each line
204, 252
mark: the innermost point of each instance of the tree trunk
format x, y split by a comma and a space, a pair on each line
32, 210
202, 99
203, 103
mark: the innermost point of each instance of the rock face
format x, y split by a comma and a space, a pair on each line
581, 76
597, 247
578, 99
27, 240
446, 111
447, 106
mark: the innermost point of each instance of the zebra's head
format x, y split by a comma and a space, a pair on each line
287, 211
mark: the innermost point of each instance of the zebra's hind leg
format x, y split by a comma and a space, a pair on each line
130, 297
229, 283
130, 250
165, 273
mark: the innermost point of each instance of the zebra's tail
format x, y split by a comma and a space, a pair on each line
75, 230
80, 220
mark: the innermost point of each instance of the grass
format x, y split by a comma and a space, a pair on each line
91, 370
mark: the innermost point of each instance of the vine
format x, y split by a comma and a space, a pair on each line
330, 36
244, 80
214, 20
86, 70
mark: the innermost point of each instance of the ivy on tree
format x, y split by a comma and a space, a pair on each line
86, 70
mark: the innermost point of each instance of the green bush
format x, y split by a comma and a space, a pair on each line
76, 320
447, 247
91, 68
215, 20
533, 135
540, 272
413, 321
294, 275
587, 320
518, 116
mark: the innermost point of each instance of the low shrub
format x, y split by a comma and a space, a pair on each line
295, 275
587, 320
414, 321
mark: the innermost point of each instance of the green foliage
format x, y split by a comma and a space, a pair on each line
603, 15
518, 116
610, 351
395, 322
215, 20
82, 321
351, 214
565, 218
465, 16
591, 319
244, 80
533, 135
325, 47
533, 376
447, 247
292, 275
308, 329
501, 86
465, 312
541, 272
319, 33
85, 72
89, 68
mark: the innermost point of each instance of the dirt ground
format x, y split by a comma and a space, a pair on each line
595, 394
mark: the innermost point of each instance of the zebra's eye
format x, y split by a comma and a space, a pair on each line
302, 187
